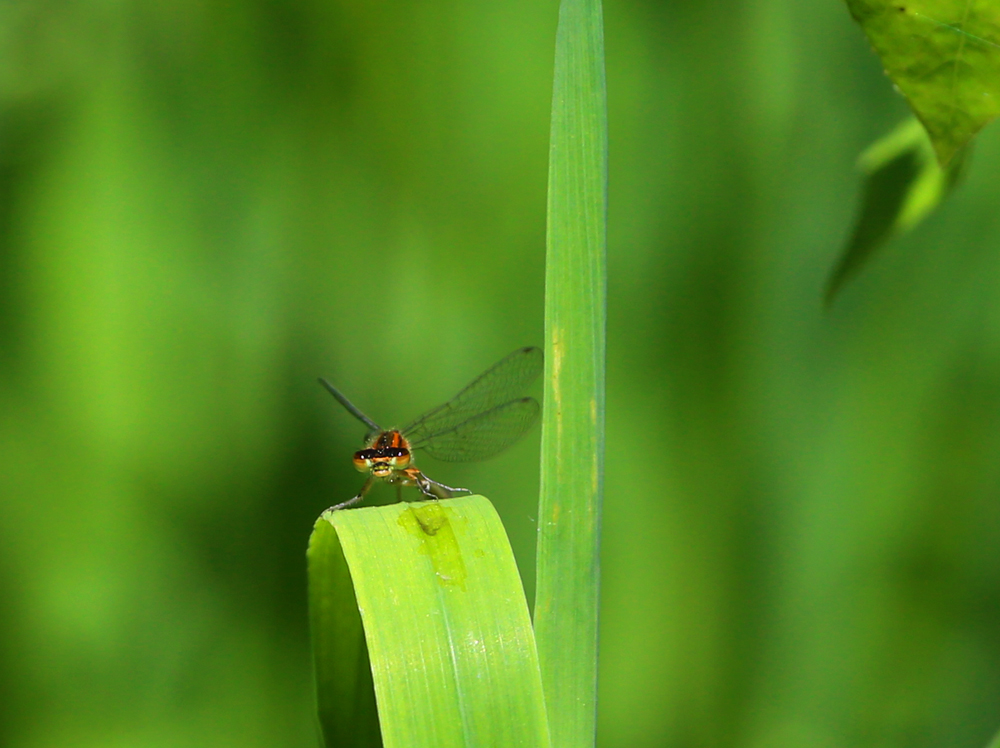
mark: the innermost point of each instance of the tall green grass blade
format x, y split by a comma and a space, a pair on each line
904, 183
452, 653
995, 743
573, 420
944, 55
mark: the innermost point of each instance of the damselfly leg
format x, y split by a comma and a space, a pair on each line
361, 494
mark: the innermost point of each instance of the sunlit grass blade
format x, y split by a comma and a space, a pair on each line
904, 183
448, 635
573, 419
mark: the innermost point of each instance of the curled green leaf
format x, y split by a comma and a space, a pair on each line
429, 595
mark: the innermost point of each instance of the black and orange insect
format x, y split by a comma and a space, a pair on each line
479, 422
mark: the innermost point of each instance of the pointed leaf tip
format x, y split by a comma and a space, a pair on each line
944, 56
904, 183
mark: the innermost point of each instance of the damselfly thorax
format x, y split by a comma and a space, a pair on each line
479, 422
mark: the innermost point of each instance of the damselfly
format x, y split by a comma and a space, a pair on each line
479, 422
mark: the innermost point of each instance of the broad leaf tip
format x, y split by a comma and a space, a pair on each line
944, 56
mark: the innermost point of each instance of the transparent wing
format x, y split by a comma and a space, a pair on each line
482, 435
498, 385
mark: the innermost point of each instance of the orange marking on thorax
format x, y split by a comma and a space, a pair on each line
389, 439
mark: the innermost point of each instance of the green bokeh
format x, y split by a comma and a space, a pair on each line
203, 207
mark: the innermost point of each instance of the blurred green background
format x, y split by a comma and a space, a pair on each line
206, 205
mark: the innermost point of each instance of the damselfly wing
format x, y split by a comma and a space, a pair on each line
479, 422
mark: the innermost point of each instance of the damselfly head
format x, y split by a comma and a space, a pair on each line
386, 453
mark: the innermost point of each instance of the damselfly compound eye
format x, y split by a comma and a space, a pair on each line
400, 458
362, 460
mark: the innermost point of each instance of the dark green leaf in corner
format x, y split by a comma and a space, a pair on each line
944, 55
903, 184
